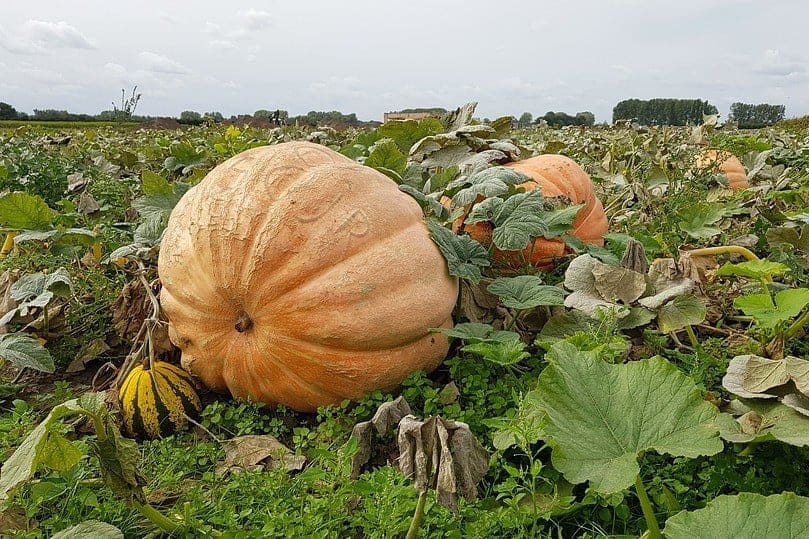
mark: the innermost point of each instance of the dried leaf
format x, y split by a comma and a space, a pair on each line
7, 303
129, 311
619, 284
88, 204
258, 452
385, 419
442, 453
88, 352
477, 304
635, 257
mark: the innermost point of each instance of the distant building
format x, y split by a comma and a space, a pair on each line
408, 116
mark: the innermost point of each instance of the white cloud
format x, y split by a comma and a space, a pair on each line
48, 35
348, 87
779, 65
256, 20
160, 63
222, 44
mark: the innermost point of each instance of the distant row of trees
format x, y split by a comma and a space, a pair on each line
645, 112
761, 115
663, 111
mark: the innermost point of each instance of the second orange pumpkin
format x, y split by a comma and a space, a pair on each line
557, 176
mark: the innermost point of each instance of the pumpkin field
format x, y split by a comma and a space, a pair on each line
433, 328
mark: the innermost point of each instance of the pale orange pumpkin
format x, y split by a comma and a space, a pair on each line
557, 176
292, 274
728, 165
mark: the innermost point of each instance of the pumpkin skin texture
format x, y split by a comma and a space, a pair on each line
729, 166
557, 176
292, 274
155, 403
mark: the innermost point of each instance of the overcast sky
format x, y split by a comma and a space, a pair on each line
370, 56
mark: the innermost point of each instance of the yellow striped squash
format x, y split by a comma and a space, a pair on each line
155, 403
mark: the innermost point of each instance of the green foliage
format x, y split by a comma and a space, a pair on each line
560, 119
663, 111
780, 516
602, 417
752, 116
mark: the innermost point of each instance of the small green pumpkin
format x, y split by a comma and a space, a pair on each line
155, 403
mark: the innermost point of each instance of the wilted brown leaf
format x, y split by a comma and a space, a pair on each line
258, 452
444, 455
477, 304
7, 303
129, 311
385, 419
88, 352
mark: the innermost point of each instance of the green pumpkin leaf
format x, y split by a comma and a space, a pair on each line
33, 451
601, 417
778, 516
405, 133
152, 184
697, 220
517, 220
489, 182
24, 211
761, 421
526, 292
680, 312
788, 304
464, 255
753, 269
386, 155
505, 352
25, 352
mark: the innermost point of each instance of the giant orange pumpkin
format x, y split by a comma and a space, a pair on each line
294, 275
557, 176
728, 165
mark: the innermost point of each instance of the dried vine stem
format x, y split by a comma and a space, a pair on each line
142, 346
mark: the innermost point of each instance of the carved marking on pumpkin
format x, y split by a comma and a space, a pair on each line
356, 223
308, 211
313, 156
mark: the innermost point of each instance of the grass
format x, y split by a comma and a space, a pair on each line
322, 500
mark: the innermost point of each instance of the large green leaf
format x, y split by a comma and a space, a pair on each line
778, 516
517, 220
36, 450
152, 184
25, 352
753, 269
464, 255
489, 182
526, 292
407, 132
504, 353
788, 304
25, 212
386, 155
601, 417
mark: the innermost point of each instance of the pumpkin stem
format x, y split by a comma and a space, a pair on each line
243, 322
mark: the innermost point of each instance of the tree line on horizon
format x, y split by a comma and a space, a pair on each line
650, 112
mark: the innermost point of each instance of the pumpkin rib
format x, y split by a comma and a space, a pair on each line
324, 271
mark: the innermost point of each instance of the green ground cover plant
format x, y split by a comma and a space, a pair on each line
653, 387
